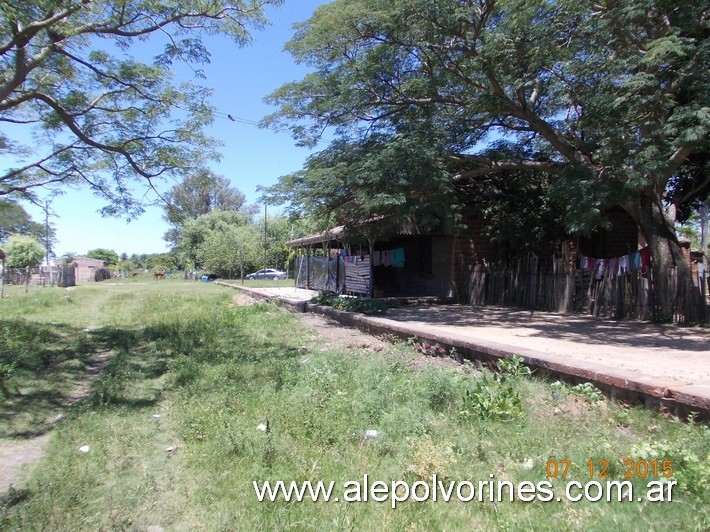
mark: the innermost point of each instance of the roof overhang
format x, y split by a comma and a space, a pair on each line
334, 234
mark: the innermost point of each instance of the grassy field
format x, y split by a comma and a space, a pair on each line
171, 424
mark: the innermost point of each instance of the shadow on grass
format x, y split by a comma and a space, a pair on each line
46, 367
13, 497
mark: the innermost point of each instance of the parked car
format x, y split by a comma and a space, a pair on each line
268, 273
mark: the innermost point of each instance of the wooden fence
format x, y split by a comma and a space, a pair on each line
62, 276
561, 287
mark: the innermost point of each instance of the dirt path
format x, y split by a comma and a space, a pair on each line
17, 457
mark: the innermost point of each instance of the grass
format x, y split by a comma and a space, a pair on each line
213, 372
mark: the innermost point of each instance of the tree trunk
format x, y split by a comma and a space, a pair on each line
671, 290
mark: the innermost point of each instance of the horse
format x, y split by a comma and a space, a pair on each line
158, 274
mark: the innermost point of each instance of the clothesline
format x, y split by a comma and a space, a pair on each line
634, 261
389, 257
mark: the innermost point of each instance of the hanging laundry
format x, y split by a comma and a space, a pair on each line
624, 264
376, 258
645, 254
614, 265
601, 268
387, 258
398, 258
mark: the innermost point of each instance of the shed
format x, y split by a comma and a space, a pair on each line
86, 268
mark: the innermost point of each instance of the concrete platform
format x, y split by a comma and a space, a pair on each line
658, 365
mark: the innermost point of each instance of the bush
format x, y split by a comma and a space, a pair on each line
492, 400
352, 304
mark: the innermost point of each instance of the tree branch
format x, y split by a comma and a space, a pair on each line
476, 166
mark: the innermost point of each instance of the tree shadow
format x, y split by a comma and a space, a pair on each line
573, 327
54, 366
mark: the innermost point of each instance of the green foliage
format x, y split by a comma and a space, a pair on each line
218, 241
224, 242
110, 387
384, 176
214, 372
496, 398
23, 251
94, 113
491, 399
689, 453
587, 390
352, 304
109, 256
513, 367
199, 194
15, 220
441, 388
161, 261
606, 103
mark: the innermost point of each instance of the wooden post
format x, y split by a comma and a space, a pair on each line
2, 274
371, 245
308, 267
337, 271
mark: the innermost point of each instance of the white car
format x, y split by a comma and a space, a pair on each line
268, 273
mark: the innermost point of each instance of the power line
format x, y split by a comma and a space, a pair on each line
237, 119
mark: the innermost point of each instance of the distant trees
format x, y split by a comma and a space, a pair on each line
23, 251
198, 194
109, 256
224, 242
219, 241
14, 219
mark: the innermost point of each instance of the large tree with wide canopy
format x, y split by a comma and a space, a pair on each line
77, 106
611, 97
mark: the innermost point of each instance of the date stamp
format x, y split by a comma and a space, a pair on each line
600, 468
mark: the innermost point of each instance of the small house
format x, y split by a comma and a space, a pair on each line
86, 269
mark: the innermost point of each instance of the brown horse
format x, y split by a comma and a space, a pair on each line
159, 274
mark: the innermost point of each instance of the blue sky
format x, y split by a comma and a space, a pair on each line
240, 78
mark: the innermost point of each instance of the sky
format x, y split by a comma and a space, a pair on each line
240, 78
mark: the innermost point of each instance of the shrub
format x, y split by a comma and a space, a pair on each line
352, 304
590, 392
491, 399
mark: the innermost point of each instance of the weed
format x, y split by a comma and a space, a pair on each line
352, 304
431, 458
440, 388
183, 370
590, 392
513, 367
491, 399
688, 451
229, 369
110, 386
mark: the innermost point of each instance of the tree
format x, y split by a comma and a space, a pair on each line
198, 194
162, 261
355, 182
23, 252
219, 241
15, 220
109, 256
610, 97
98, 115
125, 266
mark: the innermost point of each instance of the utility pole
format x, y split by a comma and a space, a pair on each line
266, 241
48, 251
